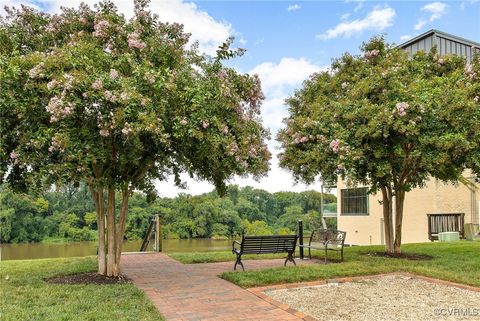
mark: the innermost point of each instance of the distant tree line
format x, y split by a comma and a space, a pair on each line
68, 214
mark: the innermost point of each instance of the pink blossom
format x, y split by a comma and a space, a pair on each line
58, 109
109, 96
335, 145
113, 74
36, 72
184, 121
304, 139
97, 84
134, 41
101, 28
52, 84
222, 74
56, 145
68, 81
150, 78
476, 99
371, 53
13, 155
402, 108
224, 130
104, 132
108, 48
232, 148
205, 124
470, 72
441, 61
127, 129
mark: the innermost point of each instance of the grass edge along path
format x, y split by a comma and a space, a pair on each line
25, 295
456, 261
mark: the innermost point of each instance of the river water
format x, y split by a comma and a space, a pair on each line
41, 250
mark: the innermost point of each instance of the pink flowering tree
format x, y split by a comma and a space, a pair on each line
88, 96
386, 121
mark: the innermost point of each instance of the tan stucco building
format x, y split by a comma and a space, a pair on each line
361, 214
436, 197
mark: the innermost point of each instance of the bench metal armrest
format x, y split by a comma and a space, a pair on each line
233, 246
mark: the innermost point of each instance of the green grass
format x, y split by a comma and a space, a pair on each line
457, 262
24, 295
217, 256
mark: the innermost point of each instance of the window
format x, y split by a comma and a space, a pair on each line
354, 201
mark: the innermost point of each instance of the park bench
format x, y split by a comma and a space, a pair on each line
264, 244
327, 240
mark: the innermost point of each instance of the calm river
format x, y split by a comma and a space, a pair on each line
40, 250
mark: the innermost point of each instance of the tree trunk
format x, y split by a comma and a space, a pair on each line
388, 218
97, 195
399, 201
121, 223
112, 269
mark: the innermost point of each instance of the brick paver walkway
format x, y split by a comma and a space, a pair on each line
195, 292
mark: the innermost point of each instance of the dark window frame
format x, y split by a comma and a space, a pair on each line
356, 196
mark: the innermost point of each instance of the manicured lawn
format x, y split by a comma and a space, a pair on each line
24, 295
217, 256
457, 262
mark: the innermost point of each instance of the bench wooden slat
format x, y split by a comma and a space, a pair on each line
266, 244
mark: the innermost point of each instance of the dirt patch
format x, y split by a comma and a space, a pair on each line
89, 278
406, 256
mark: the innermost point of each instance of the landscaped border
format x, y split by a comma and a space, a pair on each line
260, 291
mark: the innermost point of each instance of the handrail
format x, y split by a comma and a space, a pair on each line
148, 236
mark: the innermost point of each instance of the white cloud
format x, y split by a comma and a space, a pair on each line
345, 16
210, 33
405, 37
293, 7
359, 5
378, 19
433, 11
420, 24
288, 72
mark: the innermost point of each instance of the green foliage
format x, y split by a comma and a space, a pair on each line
88, 96
387, 121
256, 228
382, 118
66, 214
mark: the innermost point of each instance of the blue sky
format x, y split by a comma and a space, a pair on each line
286, 41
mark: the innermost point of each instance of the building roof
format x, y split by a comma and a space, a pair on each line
443, 35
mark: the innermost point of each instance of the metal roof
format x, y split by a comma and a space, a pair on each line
443, 35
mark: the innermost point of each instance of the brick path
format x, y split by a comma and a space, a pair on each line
195, 292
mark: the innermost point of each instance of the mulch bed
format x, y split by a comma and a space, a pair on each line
89, 278
406, 256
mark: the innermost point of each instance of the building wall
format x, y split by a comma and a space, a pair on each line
445, 46
435, 197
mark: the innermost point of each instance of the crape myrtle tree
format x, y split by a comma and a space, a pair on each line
386, 121
88, 96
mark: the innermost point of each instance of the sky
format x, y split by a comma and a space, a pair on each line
286, 41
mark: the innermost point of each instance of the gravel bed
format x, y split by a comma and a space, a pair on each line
389, 297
